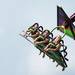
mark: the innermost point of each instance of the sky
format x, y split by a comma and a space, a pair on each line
17, 55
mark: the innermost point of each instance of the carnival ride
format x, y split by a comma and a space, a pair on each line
65, 25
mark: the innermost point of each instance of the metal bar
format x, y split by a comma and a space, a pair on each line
26, 39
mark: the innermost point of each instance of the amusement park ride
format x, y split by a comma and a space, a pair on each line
45, 41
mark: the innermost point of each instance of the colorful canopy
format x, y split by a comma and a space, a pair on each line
66, 22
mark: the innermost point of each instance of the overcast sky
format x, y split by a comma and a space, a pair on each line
17, 55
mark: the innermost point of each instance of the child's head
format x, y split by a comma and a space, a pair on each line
46, 33
57, 39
